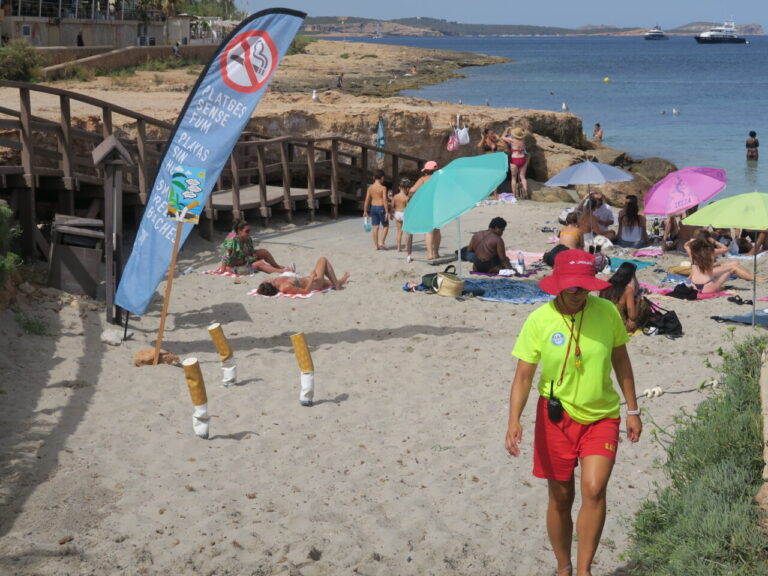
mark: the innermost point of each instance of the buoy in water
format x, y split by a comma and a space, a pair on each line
606, 79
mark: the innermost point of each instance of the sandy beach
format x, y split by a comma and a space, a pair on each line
398, 468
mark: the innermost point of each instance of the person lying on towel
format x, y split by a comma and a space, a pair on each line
322, 277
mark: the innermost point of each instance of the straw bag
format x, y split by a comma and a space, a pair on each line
447, 284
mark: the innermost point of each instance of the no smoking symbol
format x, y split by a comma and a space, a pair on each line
248, 61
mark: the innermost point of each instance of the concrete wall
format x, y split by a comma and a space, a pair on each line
133, 56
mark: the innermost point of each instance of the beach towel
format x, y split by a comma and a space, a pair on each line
653, 290
504, 198
507, 273
616, 262
507, 290
230, 274
761, 318
529, 257
647, 252
733, 256
295, 296
675, 279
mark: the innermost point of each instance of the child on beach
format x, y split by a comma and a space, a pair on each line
399, 202
376, 199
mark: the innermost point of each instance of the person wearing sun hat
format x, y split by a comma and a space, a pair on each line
431, 239
514, 138
577, 338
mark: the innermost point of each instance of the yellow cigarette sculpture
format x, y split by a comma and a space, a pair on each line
302, 352
300, 348
220, 341
197, 393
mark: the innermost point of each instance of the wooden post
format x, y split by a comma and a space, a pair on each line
27, 208
284, 159
363, 170
311, 179
335, 177
67, 152
263, 206
168, 286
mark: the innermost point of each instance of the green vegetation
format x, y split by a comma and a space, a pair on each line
8, 231
19, 61
32, 324
368, 56
706, 521
299, 45
344, 56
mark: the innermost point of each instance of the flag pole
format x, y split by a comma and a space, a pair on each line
169, 284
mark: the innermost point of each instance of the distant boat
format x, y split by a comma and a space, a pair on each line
725, 34
655, 33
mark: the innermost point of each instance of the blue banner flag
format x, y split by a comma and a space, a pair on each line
217, 110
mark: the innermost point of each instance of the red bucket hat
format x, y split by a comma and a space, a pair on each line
573, 268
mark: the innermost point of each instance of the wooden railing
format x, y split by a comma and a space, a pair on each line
40, 155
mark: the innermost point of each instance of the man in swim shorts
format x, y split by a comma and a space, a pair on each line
376, 199
489, 249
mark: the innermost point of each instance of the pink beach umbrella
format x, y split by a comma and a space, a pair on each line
683, 189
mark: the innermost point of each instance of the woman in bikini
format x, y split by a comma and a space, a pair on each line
706, 275
321, 278
518, 159
752, 145
626, 294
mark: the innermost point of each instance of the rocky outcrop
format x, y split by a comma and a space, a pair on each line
421, 128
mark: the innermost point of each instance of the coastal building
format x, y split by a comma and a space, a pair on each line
117, 24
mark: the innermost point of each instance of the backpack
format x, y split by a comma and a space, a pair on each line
684, 292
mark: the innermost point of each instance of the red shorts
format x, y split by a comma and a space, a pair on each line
557, 447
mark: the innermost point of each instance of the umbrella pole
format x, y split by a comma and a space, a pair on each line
458, 242
754, 285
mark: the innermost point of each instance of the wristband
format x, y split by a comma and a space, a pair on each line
634, 412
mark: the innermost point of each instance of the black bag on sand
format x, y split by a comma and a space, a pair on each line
684, 292
549, 257
663, 322
428, 279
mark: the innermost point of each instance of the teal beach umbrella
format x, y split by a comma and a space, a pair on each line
381, 142
748, 211
453, 190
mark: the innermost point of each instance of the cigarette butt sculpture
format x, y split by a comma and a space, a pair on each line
228, 365
199, 398
307, 368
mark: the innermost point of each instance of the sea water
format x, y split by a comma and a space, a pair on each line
631, 87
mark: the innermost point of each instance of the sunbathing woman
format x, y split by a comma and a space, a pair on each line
239, 256
626, 294
321, 278
706, 275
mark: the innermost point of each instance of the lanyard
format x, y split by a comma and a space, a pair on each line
573, 339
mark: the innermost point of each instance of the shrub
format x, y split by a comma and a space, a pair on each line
299, 45
8, 260
32, 324
19, 61
706, 521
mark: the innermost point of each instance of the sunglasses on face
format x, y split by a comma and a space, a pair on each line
575, 290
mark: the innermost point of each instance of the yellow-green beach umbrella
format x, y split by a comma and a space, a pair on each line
748, 211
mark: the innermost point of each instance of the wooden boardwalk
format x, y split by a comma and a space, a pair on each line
48, 167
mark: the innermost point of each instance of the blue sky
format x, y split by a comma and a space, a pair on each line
565, 13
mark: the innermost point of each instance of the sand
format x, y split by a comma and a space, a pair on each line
398, 468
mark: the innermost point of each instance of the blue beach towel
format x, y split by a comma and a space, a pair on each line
616, 262
761, 318
507, 290
675, 279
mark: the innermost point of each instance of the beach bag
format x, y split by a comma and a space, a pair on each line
428, 279
447, 284
453, 142
462, 134
684, 292
663, 322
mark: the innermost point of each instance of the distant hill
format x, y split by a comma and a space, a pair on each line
420, 26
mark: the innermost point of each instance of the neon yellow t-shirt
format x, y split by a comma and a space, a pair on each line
587, 394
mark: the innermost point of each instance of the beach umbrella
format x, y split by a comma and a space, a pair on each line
683, 189
589, 172
453, 190
381, 142
748, 211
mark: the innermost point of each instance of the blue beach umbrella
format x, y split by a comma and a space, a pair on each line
589, 173
380, 140
453, 190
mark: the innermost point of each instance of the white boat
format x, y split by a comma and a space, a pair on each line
655, 33
725, 34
